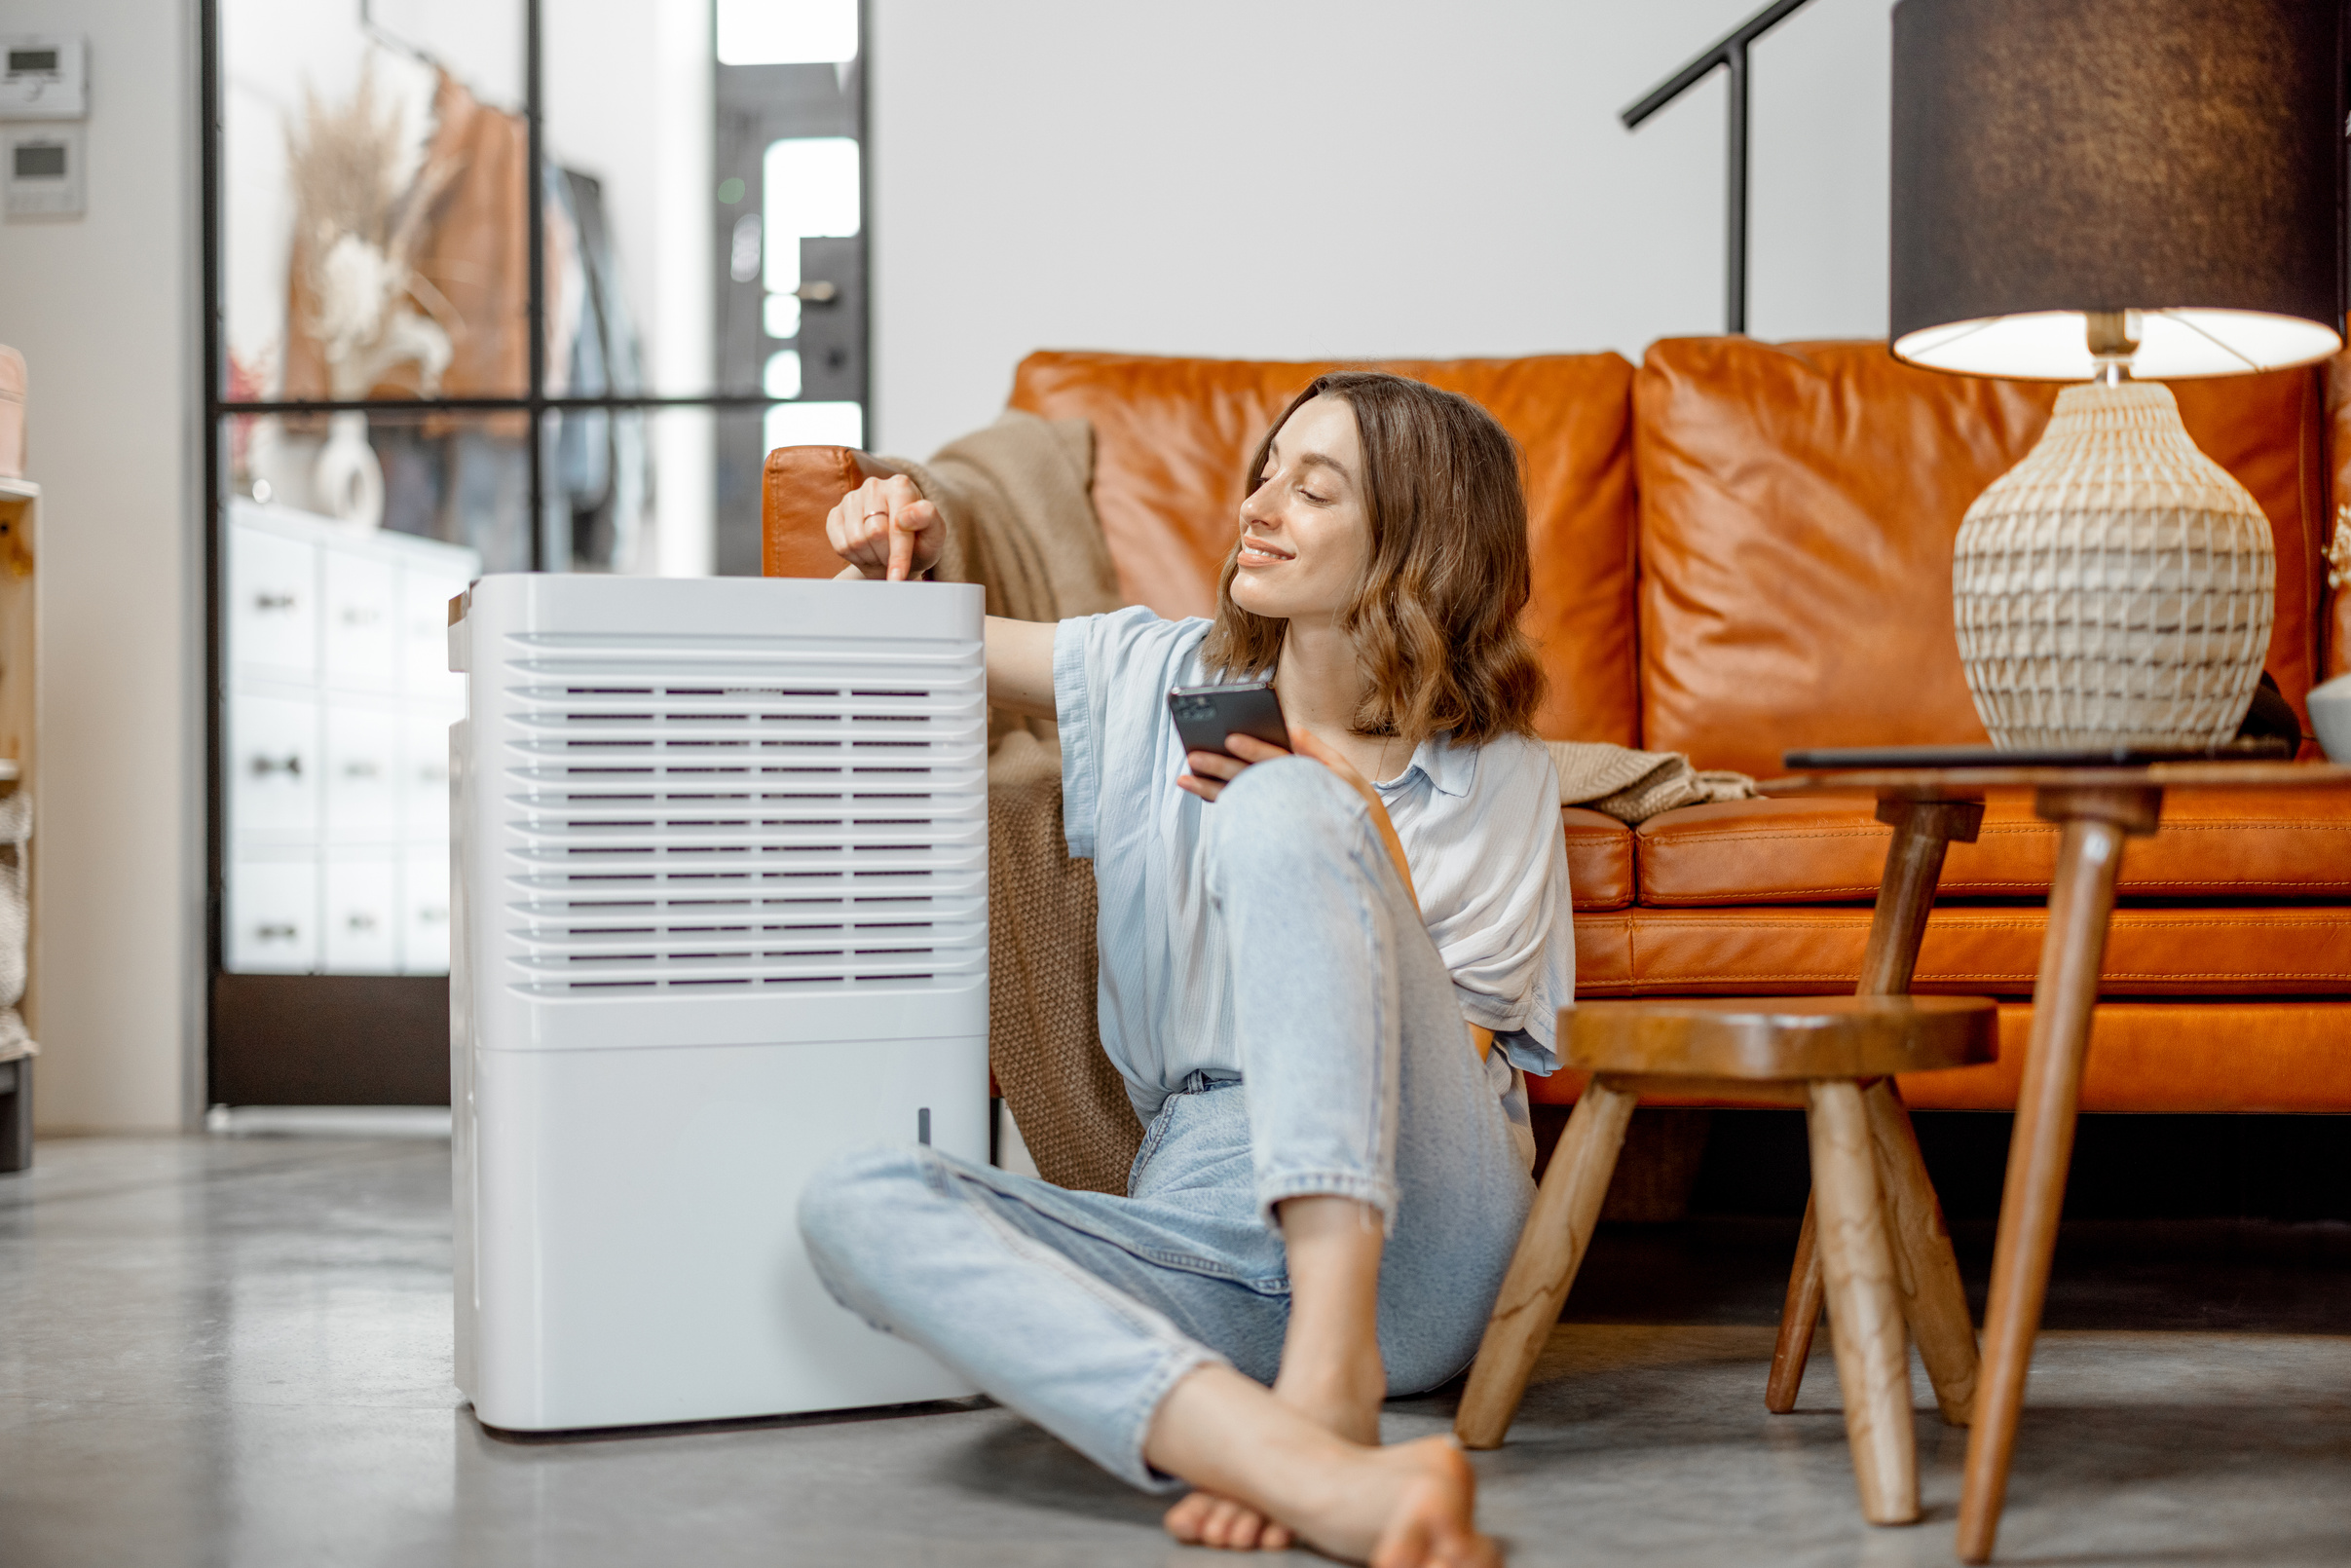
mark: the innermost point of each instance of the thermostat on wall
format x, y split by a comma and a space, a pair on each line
41, 171
47, 77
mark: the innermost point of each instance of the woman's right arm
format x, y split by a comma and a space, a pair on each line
884, 529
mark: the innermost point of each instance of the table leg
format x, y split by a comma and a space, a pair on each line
1926, 1268
1923, 832
1865, 1328
2081, 899
1798, 1317
1550, 1248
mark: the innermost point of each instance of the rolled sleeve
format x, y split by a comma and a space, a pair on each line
1080, 726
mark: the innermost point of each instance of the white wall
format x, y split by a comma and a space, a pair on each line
105, 309
1343, 178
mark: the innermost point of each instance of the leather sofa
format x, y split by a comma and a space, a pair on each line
1742, 548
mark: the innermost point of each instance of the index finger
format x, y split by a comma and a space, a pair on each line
1250, 749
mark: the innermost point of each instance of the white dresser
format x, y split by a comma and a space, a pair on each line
335, 745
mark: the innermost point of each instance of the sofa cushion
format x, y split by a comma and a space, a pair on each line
1798, 505
2258, 844
1787, 949
2146, 1056
1599, 859
1171, 437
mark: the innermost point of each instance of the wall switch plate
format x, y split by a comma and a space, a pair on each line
46, 76
41, 171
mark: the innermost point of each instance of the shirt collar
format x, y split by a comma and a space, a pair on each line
1450, 769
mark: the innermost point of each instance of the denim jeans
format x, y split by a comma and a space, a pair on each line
1081, 1310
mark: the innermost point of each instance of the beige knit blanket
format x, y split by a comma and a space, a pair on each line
1633, 786
1017, 502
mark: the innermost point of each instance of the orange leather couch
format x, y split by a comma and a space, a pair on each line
1742, 548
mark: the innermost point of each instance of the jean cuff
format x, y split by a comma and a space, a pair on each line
1283, 1185
1183, 1359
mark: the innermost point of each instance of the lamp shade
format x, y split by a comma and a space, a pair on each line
2174, 159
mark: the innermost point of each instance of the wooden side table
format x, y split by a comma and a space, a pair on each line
2098, 809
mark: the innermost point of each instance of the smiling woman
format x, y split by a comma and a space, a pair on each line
1276, 919
1434, 591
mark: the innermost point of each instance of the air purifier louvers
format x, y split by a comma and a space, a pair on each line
721, 856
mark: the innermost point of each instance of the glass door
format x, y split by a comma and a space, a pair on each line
476, 301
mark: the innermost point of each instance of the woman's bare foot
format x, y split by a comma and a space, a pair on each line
1256, 1461
1331, 1372
1411, 1505
1343, 1397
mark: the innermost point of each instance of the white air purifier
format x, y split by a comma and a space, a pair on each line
720, 865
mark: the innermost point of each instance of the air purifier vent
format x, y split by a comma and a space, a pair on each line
773, 818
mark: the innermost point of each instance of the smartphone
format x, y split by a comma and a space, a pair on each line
1205, 715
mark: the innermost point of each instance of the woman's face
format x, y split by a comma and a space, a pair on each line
1305, 535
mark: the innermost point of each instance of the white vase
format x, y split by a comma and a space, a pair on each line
348, 482
2116, 587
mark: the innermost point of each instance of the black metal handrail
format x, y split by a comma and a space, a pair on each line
1729, 53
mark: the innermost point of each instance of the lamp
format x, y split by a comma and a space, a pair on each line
2092, 190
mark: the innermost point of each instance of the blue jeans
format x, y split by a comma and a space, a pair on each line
1081, 1310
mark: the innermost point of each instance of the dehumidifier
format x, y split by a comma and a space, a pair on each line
720, 865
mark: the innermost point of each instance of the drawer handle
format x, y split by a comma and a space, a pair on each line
277, 933
360, 618
431, 915
362, 921
361, 770
273, 601
291, 767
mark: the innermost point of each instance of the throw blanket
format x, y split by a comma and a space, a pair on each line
1633, 786
1016, 499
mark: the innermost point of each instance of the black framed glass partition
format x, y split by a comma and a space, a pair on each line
490, 287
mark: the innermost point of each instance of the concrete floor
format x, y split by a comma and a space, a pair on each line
237, 1352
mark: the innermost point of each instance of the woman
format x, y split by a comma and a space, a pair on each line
1335, 1166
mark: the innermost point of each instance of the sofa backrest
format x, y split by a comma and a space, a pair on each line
1742, 548
1172, 437
1796, 508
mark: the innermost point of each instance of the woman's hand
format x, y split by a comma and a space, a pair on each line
1212, 773
884, 529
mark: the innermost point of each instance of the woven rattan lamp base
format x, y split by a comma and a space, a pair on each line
2117, 587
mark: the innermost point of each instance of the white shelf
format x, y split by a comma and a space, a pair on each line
18, 490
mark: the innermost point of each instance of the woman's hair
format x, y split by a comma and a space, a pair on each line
1434, 615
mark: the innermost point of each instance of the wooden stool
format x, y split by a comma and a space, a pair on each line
1830, 1055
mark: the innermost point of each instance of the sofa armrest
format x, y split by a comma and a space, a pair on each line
798, 488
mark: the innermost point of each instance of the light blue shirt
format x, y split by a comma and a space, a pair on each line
1479, 826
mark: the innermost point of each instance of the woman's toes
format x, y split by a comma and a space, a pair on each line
1184, 1519
1224, 1524
1276, 1537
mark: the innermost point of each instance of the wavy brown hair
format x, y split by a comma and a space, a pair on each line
1434, 615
